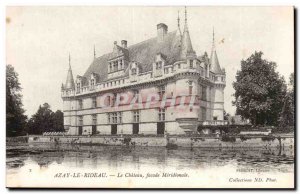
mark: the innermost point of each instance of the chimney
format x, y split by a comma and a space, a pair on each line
115, 49
162, 30
124, 43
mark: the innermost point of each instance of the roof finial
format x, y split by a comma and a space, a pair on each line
69, 60
213, 43
178, 24
94, 52
178, 20
185, 13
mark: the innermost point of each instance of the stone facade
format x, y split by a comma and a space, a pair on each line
190, 87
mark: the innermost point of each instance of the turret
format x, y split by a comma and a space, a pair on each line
186, 43
70, 81
215, 66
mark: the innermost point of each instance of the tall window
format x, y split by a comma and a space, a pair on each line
94, 117
115, 117
80, 104
191, 63
108, 117
109, 100
113, 99
204, 93
78, 87
92, 84
80, 120
203, 113
190, 87
161, 91
136, 116
94, 102
135, 93
161, 114
120, 117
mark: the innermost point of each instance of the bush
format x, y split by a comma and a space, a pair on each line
268, 138
244, 138
127, 140
228, 139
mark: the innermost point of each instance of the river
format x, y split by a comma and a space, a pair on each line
41, 165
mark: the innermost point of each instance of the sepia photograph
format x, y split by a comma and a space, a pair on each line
144, 97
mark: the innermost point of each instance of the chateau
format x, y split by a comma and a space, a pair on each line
190, 88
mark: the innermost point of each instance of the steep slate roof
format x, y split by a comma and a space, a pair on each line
143, 52
70, 81
186, 46
215, 66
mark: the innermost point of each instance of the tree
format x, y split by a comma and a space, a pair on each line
15, 118
288, 110
58, 121
226, 115
259, 91
45, 120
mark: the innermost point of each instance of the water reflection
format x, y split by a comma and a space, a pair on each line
94, 157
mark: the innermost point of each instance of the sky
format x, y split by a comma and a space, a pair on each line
39, 40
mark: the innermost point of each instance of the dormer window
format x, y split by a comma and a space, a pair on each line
116, 65
121, 64
110, 67
92, 84
206, 70
78, 84
166, 70
115, 68
78, 87
133, 71
158, 65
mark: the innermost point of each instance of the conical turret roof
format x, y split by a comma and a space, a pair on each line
70, 81
215, 65
186, 43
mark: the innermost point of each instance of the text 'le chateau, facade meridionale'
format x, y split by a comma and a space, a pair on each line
158, 86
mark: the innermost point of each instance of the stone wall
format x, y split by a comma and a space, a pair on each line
175, 141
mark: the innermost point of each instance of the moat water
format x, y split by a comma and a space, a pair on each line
42, 162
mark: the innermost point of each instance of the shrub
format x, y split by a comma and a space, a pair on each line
268, 138
228, 139
127, 140
244, 138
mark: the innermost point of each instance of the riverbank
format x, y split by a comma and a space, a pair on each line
284, 140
